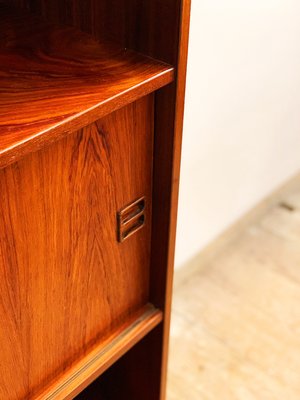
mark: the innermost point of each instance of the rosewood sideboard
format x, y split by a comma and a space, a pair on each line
91, 109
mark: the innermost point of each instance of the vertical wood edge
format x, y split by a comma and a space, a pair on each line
179, 114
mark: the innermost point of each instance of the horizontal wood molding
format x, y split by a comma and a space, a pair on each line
103, 356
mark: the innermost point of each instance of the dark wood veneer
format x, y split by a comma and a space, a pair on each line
53, 56
65, 279
59, 79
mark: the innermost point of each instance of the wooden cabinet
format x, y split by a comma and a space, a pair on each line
91, 104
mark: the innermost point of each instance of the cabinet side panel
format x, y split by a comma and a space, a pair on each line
65, 280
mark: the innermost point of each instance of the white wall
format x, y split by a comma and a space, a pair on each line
242, 118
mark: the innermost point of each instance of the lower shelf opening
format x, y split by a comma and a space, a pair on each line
104, 355
135, 376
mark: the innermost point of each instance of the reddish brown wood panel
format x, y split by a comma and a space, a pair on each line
136, 382
158, 29
60, 79
167, 155
65, 279
150, 27
102, 357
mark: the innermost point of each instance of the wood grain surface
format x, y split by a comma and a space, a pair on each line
167, 155
118, 383
65, 279
149, 27
54, 79
157, 29
113, 346
160, 30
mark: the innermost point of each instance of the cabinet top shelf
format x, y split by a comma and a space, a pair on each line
55, 79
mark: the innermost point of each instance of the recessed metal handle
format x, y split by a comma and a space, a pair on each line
131, 219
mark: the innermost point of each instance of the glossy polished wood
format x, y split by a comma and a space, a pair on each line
118, 383
149, 27
166, 184
103, 356
161, 30
66, 281
158, 29
59, 79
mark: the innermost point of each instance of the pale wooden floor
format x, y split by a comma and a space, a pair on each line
235, 331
